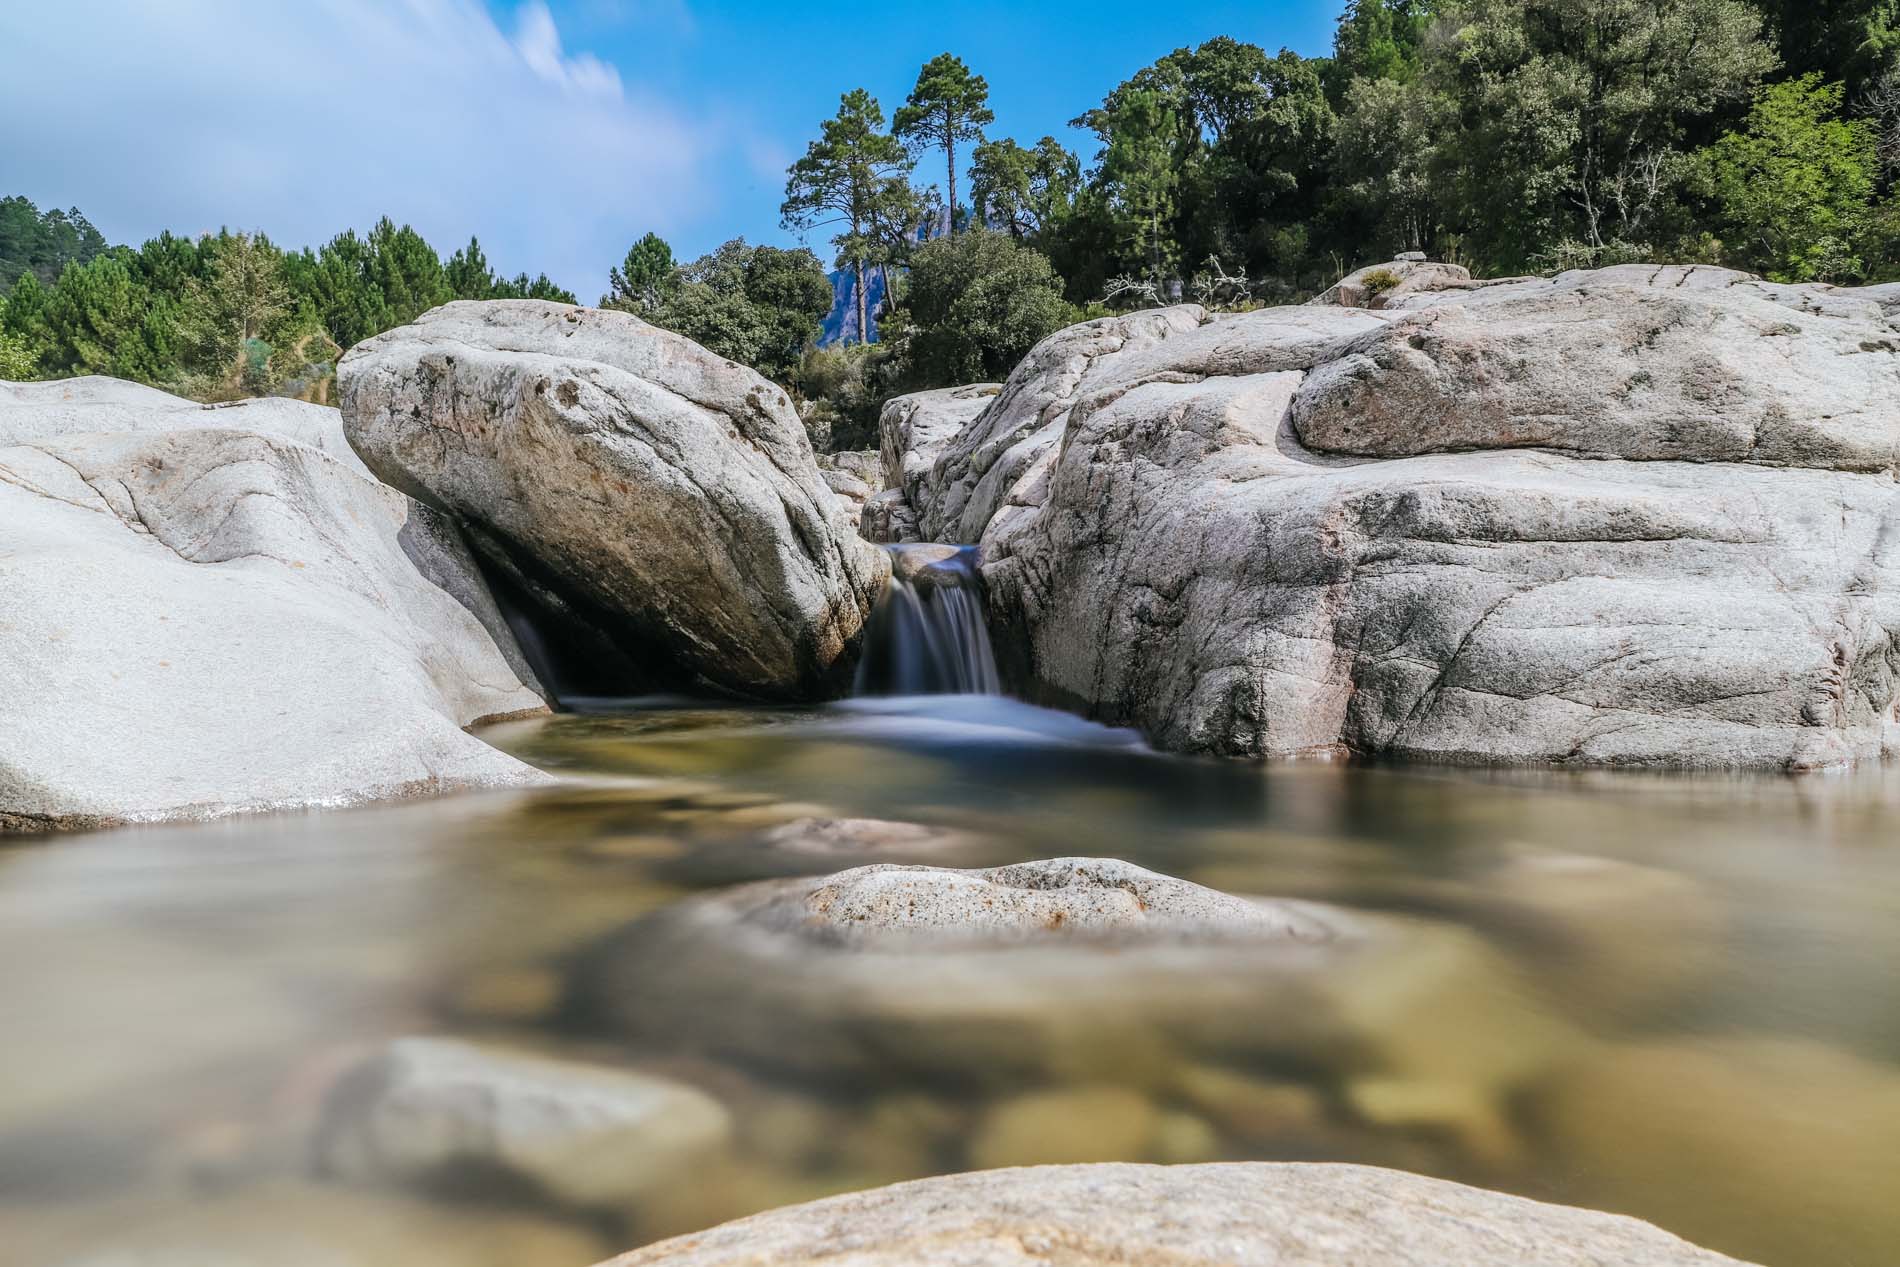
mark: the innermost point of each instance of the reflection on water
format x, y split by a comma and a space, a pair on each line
1672, 997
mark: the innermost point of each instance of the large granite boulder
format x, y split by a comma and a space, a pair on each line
1637, 517
202, 620
1247, 1214
648, 496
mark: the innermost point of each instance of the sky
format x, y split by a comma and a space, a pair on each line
558, 131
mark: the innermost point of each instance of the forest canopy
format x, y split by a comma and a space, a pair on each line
1510, 136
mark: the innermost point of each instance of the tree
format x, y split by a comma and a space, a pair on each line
641, 282
1139, 173
1379, 40
758, 305
852, 175
468, 274
978, 302
243, 298
1848, 40
43, 243
1023, 191
949, 105
18, 360
1568, 118
1797, 182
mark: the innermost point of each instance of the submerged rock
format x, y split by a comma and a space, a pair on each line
649, 497
1070, 968
1226, 1215
207, 620
586, 1135
1637, 517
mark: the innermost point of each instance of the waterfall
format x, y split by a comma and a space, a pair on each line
928, 634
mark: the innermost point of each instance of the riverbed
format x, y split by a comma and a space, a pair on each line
1668, 996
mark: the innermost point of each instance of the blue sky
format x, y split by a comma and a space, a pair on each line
557, 130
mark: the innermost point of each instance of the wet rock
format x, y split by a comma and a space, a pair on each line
861, 836
1254, 1110
204, 620
1073, 970
666, 497
1233, 1215
427, 1109
1086, 898
1071, 1125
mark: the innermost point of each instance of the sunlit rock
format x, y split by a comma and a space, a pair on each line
202, 620
658, 506
1233, 1215
1640, 517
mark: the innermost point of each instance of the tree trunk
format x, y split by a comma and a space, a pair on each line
950, 149
864, 329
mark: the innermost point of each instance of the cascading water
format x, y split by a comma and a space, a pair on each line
928, 634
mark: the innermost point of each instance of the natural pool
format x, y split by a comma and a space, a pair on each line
1672, 997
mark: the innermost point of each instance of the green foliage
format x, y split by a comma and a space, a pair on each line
228, 314
977, 303
949, 106
1379, 281
1795, 186
1557, 119
42, 243
1380, 40
643, 279
18, 362
855, 176
758, 305
1024, 192
844, 388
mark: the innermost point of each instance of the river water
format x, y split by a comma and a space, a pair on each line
1673, 997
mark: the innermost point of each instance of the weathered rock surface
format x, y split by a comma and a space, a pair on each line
664, 498
854, 477
1227, 1215
77, 406
583, 1134
1383, 285
1636, 517
1071, 967
204, 621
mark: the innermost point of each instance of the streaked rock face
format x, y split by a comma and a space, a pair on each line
1643, 516
668, 494
1254, 1214
208, 620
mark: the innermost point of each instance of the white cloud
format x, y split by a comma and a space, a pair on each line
305, 119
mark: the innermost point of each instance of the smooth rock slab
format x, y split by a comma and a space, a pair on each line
1226, 1215
201, 622
587, 1135
666, 498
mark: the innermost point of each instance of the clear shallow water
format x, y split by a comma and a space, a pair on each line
1672, 997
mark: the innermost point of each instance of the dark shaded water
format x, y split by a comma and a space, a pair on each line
1674, 997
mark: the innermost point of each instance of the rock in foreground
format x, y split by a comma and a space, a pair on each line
1640, 517
204, 621
1230, 1215
648, 496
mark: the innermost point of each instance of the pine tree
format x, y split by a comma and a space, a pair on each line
852, 175
949, 105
